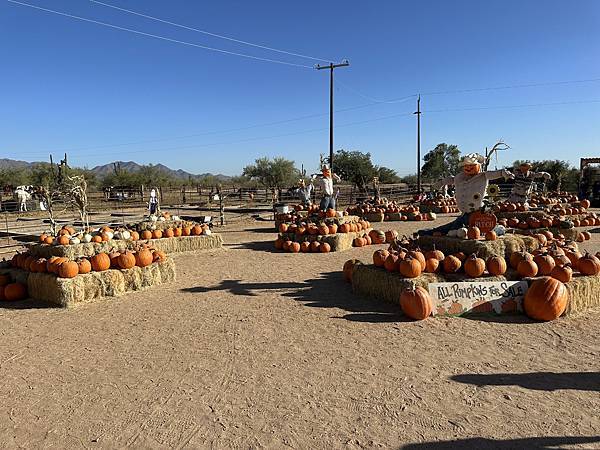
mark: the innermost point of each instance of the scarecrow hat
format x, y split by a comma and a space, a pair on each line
472, 158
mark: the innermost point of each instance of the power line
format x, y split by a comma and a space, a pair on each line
532, 105
155, 36
220, 36
375, 100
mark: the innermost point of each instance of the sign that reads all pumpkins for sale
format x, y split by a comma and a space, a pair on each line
500, 297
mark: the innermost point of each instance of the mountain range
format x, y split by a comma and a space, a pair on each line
129, 166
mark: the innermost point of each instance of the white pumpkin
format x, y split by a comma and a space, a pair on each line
162, 219
207, 232
175, 218
87, 238
126, 235
74, 240
461, 233
118, 235
110, 235
153, 218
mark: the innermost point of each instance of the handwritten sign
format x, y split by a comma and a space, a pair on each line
484, 221
477, 297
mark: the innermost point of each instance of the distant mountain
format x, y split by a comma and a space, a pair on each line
129, 166
132, 166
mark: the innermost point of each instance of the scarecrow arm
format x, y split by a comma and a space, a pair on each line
443, 182
544, 175
495, 174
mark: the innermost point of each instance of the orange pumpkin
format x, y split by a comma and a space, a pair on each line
143, 257
126, 260
283, 227
418, 255
563, 274
100, 262
391, 263
158, 256
294, 247
473, 233
379, 257
63, 240
546, 299
325, 247
435, 254
349, 268
527, 268
491, 236
390, 236
305, 247
416, 303
432, 265
545, 263
15, 291
84, 266
451, 264
589, 265
168, 233
323, 229
410, 267
474, 266
496, 265
157, 234
68, 269
186, 231
377, 236
197, 230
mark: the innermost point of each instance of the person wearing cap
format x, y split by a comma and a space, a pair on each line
470, 189
303, 191
326, 181
524, 181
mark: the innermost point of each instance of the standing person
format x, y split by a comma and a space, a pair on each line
376, 190
524, 180
303, 191
153, 203
326, 179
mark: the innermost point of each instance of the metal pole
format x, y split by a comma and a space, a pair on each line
418, 113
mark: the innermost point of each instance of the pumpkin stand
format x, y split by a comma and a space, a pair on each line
340, 233
378, 284
384, 211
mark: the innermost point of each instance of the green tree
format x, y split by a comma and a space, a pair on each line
356, 167
409, 179
441, 162
387, 175
273, 173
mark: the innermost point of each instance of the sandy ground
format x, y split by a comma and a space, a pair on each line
251, 349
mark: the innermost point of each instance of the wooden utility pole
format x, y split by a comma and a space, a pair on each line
418, 113
331, 67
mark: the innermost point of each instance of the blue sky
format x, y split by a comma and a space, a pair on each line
87, 89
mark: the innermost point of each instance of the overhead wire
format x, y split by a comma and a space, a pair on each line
208, 33
164, 38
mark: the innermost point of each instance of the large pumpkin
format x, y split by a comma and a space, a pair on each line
100, 262
410, 267
496, 265
143, 257
589, 265
416, 303
527, 268
562, 273
15, 291
68, 269
474, 266
546, 299
348, 269
545, 263
126, 260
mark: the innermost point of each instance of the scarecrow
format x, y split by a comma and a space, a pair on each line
524, 180
470, 186
326, 179
376, 190
303, 191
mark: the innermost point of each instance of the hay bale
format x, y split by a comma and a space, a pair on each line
188, 243
503, 246
96, 285
583, 294
338, 241
521, 215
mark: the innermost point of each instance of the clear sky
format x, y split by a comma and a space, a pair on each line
70, 85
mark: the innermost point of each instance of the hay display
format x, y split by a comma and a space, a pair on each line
383, 210
502, 246
85, 288
336, 242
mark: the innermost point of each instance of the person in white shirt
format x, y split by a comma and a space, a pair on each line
326, 181
153, 202
303, 191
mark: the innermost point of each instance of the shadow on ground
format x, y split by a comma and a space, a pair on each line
26, 304
550, 442
257, 246
327, 291
539, 381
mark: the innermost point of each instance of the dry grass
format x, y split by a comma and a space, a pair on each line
584, 294
503, 246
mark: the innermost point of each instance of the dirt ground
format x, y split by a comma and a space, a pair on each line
251, 349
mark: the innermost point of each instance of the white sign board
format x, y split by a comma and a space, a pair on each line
466, 296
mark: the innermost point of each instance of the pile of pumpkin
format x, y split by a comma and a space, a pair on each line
473, 233
10, 291
69, 236
407, 212
545, 300
67, 268
323, 228
443, 206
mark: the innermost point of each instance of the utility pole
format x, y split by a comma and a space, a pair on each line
331, 66
418, 113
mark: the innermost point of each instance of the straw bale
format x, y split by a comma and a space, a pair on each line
188, 243
96, 285
583, 294
338, 241
503, 246
521, 215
